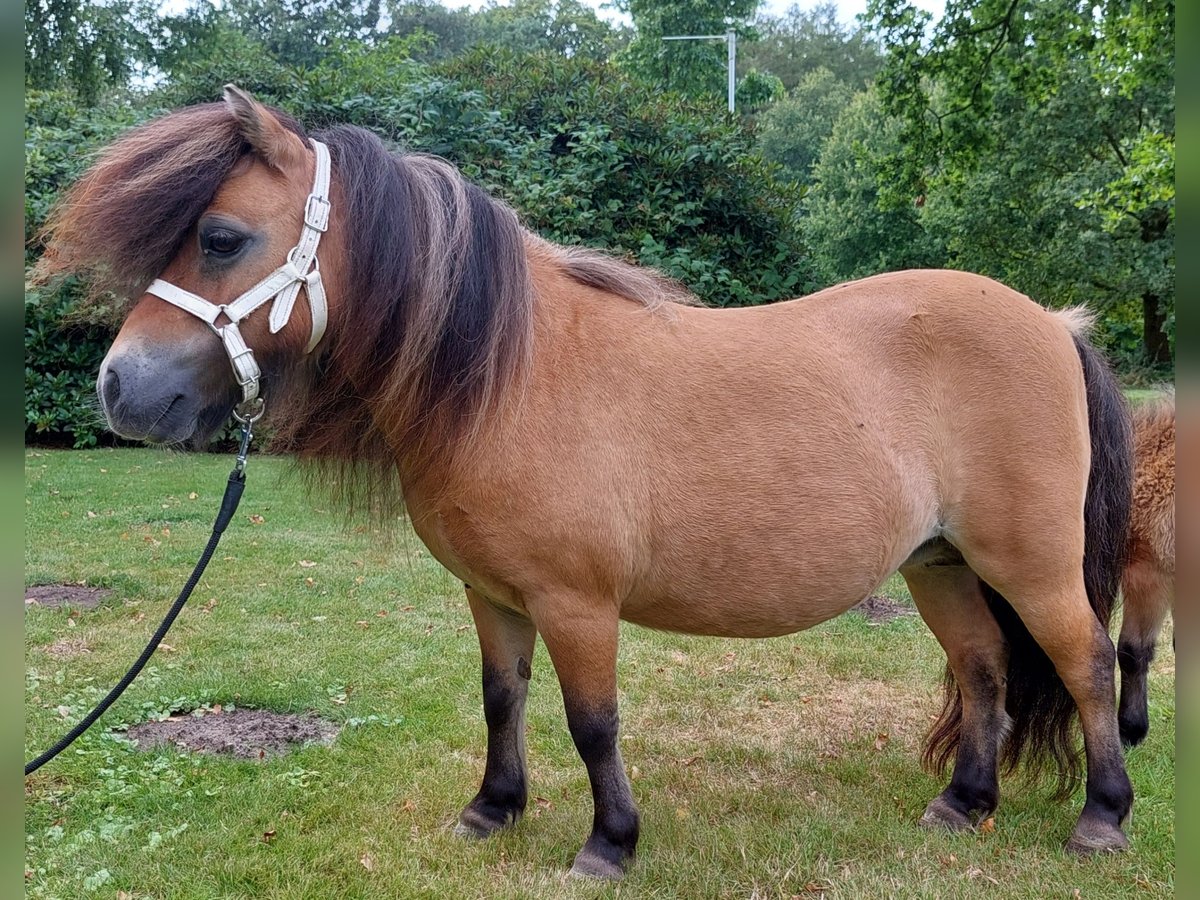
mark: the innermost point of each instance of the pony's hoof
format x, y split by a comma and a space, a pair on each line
940, 814
1134, 730
591, 865
1097, 837
474, 824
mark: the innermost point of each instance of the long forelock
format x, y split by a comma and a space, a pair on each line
124, 221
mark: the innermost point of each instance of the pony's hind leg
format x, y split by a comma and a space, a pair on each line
972, 725
506, 640
1061, 621
582, 641
1148, 592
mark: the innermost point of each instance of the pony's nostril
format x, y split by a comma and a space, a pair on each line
111, 387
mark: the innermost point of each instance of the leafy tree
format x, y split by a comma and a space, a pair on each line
792, 45
85, 46
690, 68
568, 27
453, 30
793, 131
850, 233
297, 33
1059, 104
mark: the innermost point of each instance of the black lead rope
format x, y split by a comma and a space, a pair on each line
229, 505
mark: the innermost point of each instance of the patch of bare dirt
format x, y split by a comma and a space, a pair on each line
57, 596
66, 648
879, 609
244, 733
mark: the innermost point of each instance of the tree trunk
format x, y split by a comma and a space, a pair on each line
1155, 221
1154, 339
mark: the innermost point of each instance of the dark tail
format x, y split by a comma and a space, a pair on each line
1043, 713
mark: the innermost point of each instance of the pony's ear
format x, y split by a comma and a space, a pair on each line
277, 145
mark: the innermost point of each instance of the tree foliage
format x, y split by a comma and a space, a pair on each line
1049, 126
85, 47
794, 130
801, 41
851, 232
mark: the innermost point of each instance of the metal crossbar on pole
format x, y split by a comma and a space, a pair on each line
730, 39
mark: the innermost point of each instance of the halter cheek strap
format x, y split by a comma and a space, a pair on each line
300, 269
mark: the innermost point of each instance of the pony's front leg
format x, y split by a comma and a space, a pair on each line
506, 640
582, 641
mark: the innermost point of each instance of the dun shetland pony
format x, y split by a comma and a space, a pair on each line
579, 442
1148, 583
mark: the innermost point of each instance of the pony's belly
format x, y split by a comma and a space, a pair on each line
754, 601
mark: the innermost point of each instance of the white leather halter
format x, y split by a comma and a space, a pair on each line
299, 270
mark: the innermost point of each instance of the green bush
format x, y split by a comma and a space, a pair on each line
62, 356
63, 344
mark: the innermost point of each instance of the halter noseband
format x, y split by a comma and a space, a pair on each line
299, 270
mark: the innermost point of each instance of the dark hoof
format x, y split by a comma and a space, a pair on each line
1134, 730
474, 824
590, 864
940, 814
1097, 837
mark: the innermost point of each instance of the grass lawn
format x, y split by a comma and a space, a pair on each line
776, 768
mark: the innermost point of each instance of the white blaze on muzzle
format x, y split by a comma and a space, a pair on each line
299, 270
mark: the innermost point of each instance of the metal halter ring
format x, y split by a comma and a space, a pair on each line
249, 411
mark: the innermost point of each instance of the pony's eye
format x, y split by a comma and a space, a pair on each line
221, 242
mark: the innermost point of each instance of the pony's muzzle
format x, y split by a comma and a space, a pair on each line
147, 402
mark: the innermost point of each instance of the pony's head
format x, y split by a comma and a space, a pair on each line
424, 279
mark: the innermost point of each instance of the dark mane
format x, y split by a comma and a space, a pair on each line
438, 328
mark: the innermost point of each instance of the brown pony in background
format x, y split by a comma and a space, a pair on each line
1148, 583
580, 442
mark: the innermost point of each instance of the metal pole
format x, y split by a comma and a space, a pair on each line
731, 40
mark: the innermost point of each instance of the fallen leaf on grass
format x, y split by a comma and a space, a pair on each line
988, 825
306, 563
881, 740
268, 836
208, 607
256, 519
368, 862
409, 805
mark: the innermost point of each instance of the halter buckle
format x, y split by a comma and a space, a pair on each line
316, 213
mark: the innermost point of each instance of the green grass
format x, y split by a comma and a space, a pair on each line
1138, 396
778, 768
